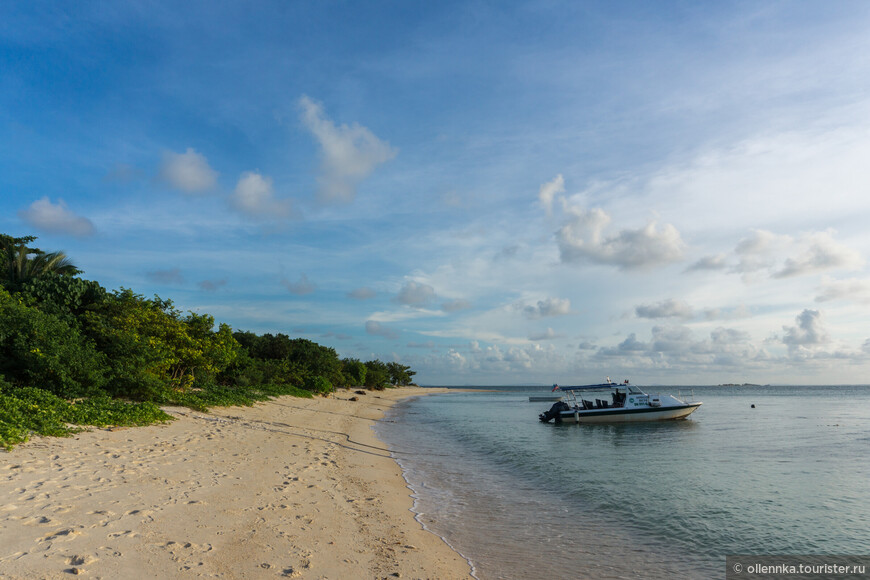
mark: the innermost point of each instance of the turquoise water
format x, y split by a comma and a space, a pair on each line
524, 499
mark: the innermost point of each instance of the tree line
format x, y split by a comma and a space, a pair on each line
71, 338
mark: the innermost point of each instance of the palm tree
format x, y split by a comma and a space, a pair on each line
20, 263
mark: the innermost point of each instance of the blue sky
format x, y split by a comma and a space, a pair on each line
491, 192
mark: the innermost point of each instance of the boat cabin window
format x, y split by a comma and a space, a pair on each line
634, 391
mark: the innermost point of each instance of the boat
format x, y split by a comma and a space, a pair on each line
627, 403
540, 398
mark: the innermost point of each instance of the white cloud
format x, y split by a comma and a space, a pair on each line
406, 314
630, 345
188, 172
676, 347
415, 294
300, 287
783, 256
669, 308
729, 313
759, 251
548, 307
854, 289
820, 252
548, 334
456, 305
499, 361
809, 333
729, 336
349, 153
363, 293
716, 262
582, 239
377, 329
255, 197
549, 191
57, 219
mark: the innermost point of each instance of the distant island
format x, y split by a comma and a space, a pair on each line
741, 385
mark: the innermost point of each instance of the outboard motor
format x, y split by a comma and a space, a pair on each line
555, 412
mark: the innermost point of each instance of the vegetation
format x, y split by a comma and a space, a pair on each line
28, 410
73, 353
23, 263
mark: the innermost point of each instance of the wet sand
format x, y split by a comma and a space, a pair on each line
290, 488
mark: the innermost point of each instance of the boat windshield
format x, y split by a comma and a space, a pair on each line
634, 391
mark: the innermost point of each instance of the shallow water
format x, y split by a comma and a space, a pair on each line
523, 499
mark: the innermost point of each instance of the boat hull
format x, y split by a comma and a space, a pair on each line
623, 415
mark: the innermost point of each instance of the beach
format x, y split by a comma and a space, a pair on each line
297, 488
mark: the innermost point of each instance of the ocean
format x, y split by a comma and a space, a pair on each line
524, 499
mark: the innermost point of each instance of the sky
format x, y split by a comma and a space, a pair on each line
490, 192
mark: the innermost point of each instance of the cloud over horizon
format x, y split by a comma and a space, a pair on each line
583, 237
548, 307
669, 308
783, 256
807, 335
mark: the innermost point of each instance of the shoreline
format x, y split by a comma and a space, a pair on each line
288, 488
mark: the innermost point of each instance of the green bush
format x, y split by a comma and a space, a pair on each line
318, 385
154, 350
42, 350
377, 375
27, 411
63, 296
354, 372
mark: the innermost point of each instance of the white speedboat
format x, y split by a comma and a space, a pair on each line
541, 398
625, 403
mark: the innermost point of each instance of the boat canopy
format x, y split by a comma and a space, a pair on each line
590, 387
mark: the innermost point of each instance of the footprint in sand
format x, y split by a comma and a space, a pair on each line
185, 549
60, 535
80, 560
106, 513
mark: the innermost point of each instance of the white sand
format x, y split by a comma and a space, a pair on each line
295, 488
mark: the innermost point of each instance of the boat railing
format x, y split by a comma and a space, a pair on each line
689, 397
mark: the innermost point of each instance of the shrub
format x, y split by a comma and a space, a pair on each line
319, 385
25, 411
39, 349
